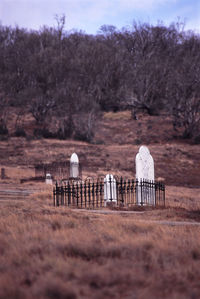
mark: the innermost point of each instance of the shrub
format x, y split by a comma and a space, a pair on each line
82, 134
85, 127
3, 128
66, 127
43, 132
20, 132
197, 140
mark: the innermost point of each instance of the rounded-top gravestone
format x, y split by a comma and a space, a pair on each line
145, 191
48, 179
144, 164
110, 192
74, 166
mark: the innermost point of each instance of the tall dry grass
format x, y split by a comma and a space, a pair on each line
183, 197
48, 252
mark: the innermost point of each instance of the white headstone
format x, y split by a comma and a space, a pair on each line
110, 192
48, 179
74, 166
144, 164
145, 171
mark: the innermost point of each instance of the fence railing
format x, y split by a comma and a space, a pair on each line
99, 193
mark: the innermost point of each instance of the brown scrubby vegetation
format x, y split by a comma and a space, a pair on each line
115, 146
49, 252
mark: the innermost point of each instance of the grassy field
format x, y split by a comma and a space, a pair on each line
48, 252
113, 150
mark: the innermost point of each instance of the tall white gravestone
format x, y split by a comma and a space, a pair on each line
74, 166
110, 191
145, 171
144, 164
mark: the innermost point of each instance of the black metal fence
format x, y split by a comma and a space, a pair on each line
57, 170
99, 193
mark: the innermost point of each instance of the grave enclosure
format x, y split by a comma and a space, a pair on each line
111, 190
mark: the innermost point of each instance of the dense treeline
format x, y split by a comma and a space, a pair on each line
65, 79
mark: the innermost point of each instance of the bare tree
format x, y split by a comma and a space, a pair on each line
184, 88
69, 77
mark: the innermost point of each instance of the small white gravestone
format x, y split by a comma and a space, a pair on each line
145, 171
74, 166
110, 192
48, 179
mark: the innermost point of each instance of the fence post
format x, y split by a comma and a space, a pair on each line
77, 194
62, 195
93, 194
101, 192
89, 196
54, 193
81, 191
147, 187
3, 173
73, 193
128, 187
132, 192
110, 182
136, 191
85, 193
141, 187
57, 194
69, 193
153, 192
96, 193
155, 184
65, 193
159, 191
121, 190
117, 191
164, 194
125, 192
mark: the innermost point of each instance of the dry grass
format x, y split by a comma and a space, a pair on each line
182, 197
48, 252
116, 144
121, 115
16, 173
177, 164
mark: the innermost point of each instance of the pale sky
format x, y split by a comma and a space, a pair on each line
89, 15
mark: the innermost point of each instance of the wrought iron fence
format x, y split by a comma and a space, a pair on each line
94, 194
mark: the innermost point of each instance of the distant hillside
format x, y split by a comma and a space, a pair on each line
65, 81
113, 150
